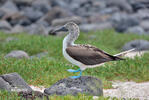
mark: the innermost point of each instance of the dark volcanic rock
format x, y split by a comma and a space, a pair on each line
13, 82
33, 95
84, 84
139, 45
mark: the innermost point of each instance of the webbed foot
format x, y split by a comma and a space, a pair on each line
72, 70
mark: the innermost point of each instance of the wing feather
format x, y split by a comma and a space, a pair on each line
89, 55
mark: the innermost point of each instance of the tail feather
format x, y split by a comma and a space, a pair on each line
124, 53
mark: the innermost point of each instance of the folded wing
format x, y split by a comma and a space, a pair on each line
89, 55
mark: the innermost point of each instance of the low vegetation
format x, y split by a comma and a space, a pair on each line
52, 67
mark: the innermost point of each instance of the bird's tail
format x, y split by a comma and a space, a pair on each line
124, 53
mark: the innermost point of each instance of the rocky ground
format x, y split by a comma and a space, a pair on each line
39, 17
121, 89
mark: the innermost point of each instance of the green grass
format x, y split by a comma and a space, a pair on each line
51, 68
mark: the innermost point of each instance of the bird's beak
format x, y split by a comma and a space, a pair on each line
63, 29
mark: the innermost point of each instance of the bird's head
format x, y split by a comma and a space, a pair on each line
70, 26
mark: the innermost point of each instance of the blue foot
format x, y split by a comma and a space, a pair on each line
71, 70
74, 77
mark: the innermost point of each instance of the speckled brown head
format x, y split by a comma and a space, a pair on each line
70, 27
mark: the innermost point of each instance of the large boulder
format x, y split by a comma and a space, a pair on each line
85, 85
13, 82
139, 45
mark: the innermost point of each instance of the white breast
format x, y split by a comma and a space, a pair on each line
69, 58
73, 61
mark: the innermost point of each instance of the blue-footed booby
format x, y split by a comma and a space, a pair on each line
84, 56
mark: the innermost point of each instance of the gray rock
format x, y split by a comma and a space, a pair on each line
9, 7
4, 25
17, 29
59, 3
84, 84
43, 23
122, 21
2, 13
25, 2
41, 5
145, 25
13, 82
32, 14
62, 21
24, 22
136, 30
139, 4
4, 85
98, 18
17, 54
37, 29
142, 14
17, 18
109, 10
139, 45
95, 27
122, 4
39, 55
11, 39
34, 95
55, 13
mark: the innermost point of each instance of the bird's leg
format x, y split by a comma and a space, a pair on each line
72, 70
74, 77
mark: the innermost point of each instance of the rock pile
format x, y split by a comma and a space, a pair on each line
39, 16
13, 82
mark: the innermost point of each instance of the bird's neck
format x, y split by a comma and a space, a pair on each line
70, 38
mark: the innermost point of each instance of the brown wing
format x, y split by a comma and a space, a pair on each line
89, 55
